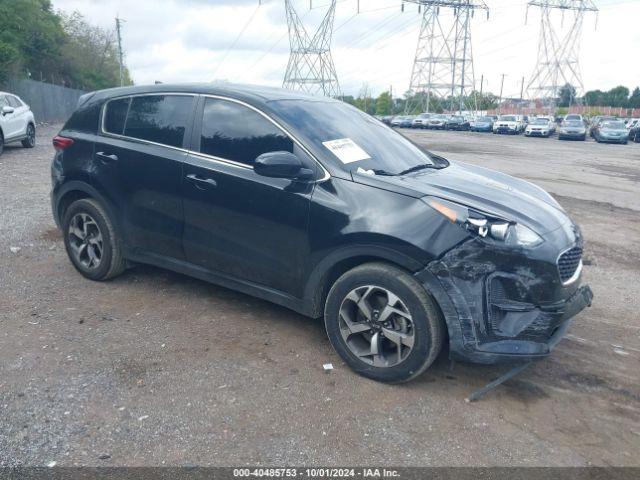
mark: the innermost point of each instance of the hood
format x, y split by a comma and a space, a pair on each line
481, 189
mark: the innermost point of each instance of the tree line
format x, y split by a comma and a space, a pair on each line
39, 43
415, 103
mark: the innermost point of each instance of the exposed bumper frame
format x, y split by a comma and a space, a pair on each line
465, 342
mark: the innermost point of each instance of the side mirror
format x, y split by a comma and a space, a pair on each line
7, 111
281, 165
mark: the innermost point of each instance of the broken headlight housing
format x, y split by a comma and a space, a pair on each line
486, 226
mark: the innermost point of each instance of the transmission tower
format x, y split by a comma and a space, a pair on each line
443, 65
558, 61
311, 67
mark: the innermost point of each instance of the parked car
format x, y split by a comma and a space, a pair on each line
457, 122
597, 121
481, 124
402, 121
314, 205
632, 123
573, 117
511, 124
420, 120
572, 130
634, 133
437, 122
540, 127
611, 131
17, 123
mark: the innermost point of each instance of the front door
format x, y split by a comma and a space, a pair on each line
238, 223
139, 160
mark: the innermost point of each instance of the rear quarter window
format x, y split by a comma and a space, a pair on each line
115, 115
85, 119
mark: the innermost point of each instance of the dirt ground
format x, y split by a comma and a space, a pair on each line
155, 368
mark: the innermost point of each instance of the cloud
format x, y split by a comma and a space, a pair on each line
190, 40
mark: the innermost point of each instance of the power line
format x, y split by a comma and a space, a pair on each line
235, 41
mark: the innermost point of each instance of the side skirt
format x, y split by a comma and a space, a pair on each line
255, 290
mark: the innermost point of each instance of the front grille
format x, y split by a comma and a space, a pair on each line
569, 262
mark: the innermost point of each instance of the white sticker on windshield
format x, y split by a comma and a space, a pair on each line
346, 150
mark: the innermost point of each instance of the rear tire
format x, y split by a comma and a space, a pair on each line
1, 143
30, 141
383, 323
91, 241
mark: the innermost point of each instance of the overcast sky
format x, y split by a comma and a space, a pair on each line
191, 40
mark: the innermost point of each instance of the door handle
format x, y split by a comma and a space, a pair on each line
202, 183
104, 158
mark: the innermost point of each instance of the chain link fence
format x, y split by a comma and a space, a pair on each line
49, 103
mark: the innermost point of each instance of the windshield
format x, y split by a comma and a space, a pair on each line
424, 115
439, 117
485, 119
384, 150
573, 123
613, 125
508, 118
540, 121
572, 117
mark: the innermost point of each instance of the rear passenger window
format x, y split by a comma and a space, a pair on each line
115, 115
159, 118
234, 132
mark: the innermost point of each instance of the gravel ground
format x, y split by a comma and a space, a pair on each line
155, 368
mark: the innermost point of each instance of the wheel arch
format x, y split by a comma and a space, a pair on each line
337, 263
75, 190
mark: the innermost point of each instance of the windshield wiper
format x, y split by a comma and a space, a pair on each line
383, 173
417, 168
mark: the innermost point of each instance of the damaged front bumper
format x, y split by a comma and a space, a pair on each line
503, 304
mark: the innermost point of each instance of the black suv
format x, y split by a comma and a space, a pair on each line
314, 205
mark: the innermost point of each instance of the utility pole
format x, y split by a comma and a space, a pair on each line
311, 67
522, 96
501, 90
558, 61
443, 63
119, 22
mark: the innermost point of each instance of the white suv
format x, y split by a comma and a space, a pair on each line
512, 124
17, 123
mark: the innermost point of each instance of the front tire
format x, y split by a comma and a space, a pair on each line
30, 141
91, 241
1, 143
383, 323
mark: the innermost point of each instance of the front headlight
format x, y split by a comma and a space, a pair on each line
484, 225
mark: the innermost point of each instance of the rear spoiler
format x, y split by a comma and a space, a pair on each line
85, 98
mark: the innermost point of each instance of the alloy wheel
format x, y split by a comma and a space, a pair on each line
376, 326
85, 240
31, 135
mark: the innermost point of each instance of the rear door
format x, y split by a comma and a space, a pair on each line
138, 165
239, 223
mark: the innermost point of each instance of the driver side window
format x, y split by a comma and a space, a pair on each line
232, 131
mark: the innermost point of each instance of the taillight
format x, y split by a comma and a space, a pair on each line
62, 143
